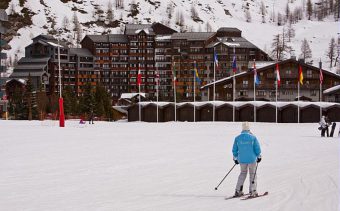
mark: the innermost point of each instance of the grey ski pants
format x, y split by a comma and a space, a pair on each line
243, 175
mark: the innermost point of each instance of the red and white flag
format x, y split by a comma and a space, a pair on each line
278, 79
139, 77
321, 76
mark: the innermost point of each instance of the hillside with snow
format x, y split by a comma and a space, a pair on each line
258, 20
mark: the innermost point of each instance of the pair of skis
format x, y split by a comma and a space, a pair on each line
247, 196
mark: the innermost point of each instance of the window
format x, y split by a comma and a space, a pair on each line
313, 92
245, 83
309, 73
243, 93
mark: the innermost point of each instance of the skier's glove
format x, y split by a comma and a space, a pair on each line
259, 159
236, 161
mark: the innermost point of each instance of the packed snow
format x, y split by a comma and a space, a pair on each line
165, 166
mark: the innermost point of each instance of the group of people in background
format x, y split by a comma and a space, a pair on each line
325, 123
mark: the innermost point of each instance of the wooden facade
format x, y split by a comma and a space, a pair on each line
265, 112
287, 91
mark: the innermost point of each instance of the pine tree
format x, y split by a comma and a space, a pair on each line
28, 97
331, 51
87, 100
70, 101
42, 101
306, 52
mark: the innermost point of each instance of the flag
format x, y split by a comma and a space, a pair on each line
278, 79
234, 64
174, 73
139, 77
215, 59
157, 78
321, 76
300, 75
198, 80
256, 77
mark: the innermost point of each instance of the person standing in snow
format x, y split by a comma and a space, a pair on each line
246, 152
324, 126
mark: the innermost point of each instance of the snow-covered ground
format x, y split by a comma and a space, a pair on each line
165, 166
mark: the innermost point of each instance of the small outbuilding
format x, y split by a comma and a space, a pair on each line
206, 112
224, 112
186, 113
266, 113
150, 113
246, 113
169, 112
333, 113
310, 113
289, 114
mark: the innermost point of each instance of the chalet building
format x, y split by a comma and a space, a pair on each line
41, 65
266, 89
332, 94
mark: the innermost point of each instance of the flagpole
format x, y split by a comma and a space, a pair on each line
276, 99
254, 92
298, 102
157, 87
276, 86
194, 91
214, 97
175, 91
139, 107
321, 79
234, 83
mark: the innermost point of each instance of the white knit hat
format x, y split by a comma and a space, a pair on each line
245, 126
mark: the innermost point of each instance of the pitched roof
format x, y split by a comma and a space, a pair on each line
26, 74
132, 29
192, 35
118, 38
24, 60
111, 38
80, 52
238, 42
228, 29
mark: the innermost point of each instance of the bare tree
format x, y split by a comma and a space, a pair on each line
280, 47
75, 21
331, 51
263, 12
306, 52
208, 27
287, 10
170, 10
290, 32
109, 12
279, 19
247, 16
66, 23
194, 13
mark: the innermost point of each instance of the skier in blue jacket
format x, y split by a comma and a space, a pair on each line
246, 152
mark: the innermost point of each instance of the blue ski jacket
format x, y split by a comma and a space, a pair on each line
246, 148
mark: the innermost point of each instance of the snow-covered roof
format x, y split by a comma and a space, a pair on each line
223, 79
131, 95
257, 104
332, 89
55, 44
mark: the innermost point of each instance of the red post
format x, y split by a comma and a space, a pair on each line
61, 113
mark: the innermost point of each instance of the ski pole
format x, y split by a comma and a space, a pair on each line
255, 173
225, 176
